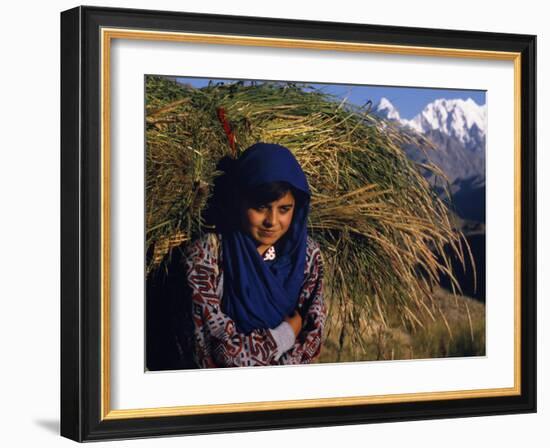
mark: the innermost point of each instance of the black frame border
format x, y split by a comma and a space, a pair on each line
81, 223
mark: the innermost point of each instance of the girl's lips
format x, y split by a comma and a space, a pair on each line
267, 232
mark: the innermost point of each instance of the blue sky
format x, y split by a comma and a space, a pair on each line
409, 101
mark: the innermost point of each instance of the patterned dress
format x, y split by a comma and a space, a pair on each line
217, 343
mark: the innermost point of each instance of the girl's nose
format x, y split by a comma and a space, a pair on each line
269, 218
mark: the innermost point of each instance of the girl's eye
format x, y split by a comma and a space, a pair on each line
285, 209
260, 208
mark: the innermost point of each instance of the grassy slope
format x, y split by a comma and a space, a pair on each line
435, 340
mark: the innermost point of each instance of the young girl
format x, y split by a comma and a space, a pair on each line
256, 287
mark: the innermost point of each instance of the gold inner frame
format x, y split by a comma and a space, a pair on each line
107, 35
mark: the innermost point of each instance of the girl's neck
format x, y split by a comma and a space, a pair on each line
262, 248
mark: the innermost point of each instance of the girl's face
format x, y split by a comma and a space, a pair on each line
268, 223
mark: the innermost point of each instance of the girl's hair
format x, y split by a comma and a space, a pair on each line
265, 193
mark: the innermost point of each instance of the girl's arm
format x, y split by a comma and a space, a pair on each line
217, 341
312, 307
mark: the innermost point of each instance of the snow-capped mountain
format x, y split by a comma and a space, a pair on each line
387, 110
457, 128
463, 120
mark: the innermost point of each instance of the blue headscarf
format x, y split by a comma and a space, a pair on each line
258, 294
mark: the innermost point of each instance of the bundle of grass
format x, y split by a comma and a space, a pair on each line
385, 235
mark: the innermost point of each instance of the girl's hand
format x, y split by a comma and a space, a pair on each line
295, 322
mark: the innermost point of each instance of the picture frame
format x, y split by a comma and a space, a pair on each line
88, 60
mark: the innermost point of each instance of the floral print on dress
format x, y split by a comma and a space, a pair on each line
270, 254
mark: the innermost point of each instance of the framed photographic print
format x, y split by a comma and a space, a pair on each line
274, 223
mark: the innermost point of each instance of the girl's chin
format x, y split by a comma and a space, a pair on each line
266, 240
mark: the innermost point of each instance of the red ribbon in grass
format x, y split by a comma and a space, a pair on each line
227, 128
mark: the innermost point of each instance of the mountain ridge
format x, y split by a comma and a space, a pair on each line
457, 129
